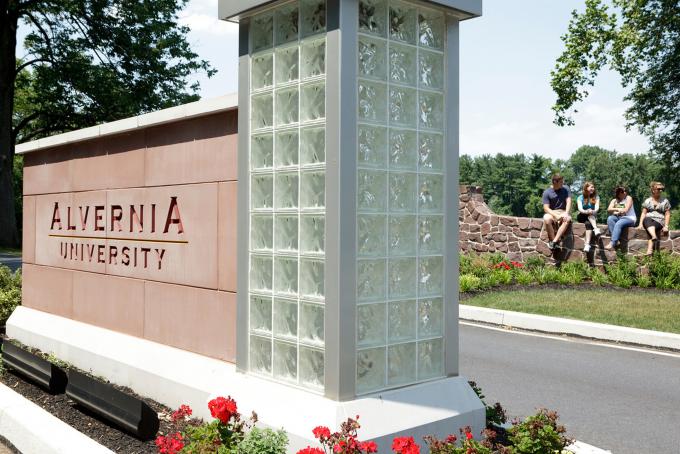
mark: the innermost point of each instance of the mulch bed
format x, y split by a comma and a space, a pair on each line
86, 422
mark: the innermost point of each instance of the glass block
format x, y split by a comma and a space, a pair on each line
402, 236
403, 106
311, 278
431, 111
312, 145
285, 318
286, 22
372, 190
373, 17
371, 329
261, 232
286, 275
261, 273
314, 58
403, 64
262, 73
287, 64
311, 323
430, 359
285, 361
372, 58
313, 189
371, 234
403, 149
401, 278
313, 106
431, 193
260, 314
370, 369
431, 235
287, 190
402, 193
313, 19
262, 191
431, 152
312, 234
311, 367
372, 146
371, 280
261, 32
261, 151
401, 364
260, 355
430, 276
286, 233
431, 29
287, 148
372, 101
402, 23
430, 317
262, 111
431, 70
401, 321
287, 109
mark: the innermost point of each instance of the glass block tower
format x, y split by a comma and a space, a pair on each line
348, 192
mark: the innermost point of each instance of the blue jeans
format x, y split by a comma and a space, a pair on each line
616, 225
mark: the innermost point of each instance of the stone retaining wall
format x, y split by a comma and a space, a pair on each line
519, 238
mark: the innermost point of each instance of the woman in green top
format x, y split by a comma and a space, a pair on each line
656, 216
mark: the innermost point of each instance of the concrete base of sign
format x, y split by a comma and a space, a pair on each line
174, 377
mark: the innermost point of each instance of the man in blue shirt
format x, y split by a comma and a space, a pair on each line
557, 206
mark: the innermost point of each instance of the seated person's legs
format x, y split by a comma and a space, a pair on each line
550, 225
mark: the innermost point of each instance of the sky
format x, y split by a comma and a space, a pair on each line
506, 59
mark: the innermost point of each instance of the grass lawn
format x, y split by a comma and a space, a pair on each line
8, 251
648, 309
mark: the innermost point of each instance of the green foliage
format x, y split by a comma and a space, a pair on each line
469, 283
639, 40
539, 434
536, 261
524, 277
263, 441
664, 271
495, 414
573, 273
623, 272
10, 292
203, 439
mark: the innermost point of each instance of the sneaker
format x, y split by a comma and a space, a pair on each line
597, 231
551, 245
586, 248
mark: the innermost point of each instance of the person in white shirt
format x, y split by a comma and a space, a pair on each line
588, 204
621, 215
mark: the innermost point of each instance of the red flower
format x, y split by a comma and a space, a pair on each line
222, 409
182, 412
339, 446
321, 432
468, 435
310, 450
405, 445
172, 444
451, 439
368, 446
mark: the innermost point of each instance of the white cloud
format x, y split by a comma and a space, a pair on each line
201, 17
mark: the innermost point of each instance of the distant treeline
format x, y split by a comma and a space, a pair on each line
513, 184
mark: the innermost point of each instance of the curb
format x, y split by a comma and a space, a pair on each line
33, 430
556, 325
578, 447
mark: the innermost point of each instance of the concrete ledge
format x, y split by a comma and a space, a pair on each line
33, 430
173, 377
575, 327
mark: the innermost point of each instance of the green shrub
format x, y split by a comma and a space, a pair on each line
10, 292
644, 281
538, 434
664, 271
597, 277
537, 261
263, 441
469, 283
502, 276
524, 277
623, 273
573, 273
465, 265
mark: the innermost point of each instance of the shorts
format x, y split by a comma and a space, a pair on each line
584, 219
649, 222
559, 213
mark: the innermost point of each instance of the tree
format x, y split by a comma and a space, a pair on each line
639, 39
87, 62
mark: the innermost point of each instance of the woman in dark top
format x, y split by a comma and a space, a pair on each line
656, 216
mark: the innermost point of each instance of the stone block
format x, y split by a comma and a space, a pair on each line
542, 248
579, 229
521, 233
227, 239
527, 243
513, 246
463, 227
476, 237
508, 221
464, 246
666, 245
537, 224
515, 257
535, 234
502, 237
502, 247
480, 247
485, 228
482, 218
494, 220
524, 223
474, 228
674, 234
464, 198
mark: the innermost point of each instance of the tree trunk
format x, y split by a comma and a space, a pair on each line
9, 235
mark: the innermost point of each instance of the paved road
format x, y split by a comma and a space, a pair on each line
622, 400
13, 261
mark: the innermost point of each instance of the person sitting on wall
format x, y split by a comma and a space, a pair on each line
621, 215
588, 204
556, 205
656, 216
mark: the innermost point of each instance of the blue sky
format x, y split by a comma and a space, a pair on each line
506, 59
